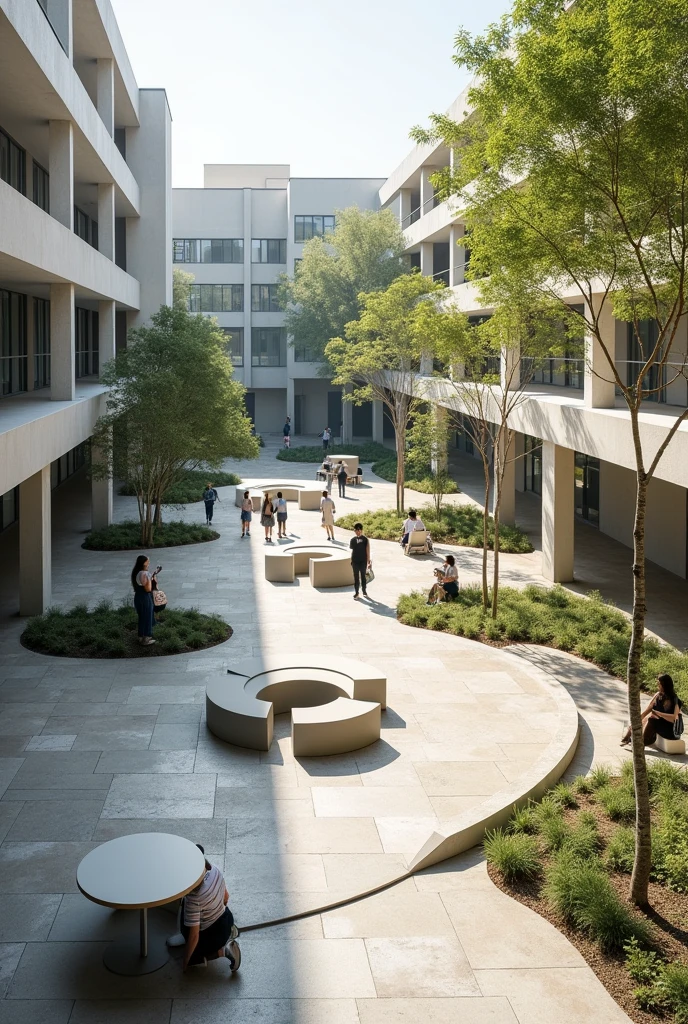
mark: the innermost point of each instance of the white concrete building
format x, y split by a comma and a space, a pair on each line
237, 235
85, 249
573, 440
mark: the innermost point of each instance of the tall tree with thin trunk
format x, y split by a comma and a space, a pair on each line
573, 164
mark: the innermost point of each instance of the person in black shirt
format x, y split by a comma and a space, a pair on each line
360, 559
660, 714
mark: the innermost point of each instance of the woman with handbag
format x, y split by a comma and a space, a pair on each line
141, 581
267, 517
159, 596
662, 716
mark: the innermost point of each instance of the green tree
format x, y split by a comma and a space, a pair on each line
574, 168
428, 441
363, 254
380, 356
181, 288
172, 406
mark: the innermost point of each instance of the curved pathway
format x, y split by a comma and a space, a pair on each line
92, 750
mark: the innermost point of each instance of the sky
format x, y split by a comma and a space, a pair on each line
331, 87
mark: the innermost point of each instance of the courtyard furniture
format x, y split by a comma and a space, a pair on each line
670, 746
326, 565
417, 543
136, 872
307, 494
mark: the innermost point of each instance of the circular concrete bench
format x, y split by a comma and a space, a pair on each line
326, 564
308, 495
335, 706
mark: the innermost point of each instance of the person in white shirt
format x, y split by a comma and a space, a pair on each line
328, 510
326, 435
414, 522
447, 582
207, 922
281, 511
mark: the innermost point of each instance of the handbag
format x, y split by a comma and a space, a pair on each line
370, 575
678, 727
159, 598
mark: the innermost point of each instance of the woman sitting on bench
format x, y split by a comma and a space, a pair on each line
660, 714
447, 582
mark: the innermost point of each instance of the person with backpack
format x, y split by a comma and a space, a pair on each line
210, 496
281, 511
662, 716
286, 431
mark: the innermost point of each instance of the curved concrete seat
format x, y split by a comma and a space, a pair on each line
670, 746
327, 565
306, 493
335, 708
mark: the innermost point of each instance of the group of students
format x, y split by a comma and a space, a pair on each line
268, 510
328, 470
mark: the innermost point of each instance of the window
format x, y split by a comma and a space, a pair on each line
268, 250
41, 343
85, 227
9, 508
532, 464
86, 342
306, 354
235, 344
216, 298
41, 187
264, 298
587, 479
12, 163
13, 353
64, 467
268, 346
639, 348
312, 226
208, 250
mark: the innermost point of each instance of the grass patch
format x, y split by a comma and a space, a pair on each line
459, 524
191, 486
108, 632
417, 480
585, 626
369, 451
126, 536
513, 854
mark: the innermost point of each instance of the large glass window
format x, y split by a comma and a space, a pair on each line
13, 351
264, 298
9, 508
312, 226
639, 348
587, 476
306, 354
85, 227
216, 298
41, 343
12, 163
208, 250
41, 187
235, 344
64, 467
86, 341
532, 464
268, 346
268, 250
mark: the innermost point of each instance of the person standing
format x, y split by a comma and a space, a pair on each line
267, 517
141, 581
208, 923
286, 430
360, 559
326, 435
281, 510
327, 510
210, 496
342, 474
246, 515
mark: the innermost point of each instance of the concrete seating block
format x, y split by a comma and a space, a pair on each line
334, 728
417, 543
670, 746
306, 493
327, 566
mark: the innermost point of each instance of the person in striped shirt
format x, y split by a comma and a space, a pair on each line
207, 922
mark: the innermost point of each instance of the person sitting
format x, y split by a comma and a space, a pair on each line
660, 714
325, 469
413, 522
447, 585
207, 922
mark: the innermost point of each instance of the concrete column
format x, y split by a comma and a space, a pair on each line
105, 92
290, 400
101, 496
61, 170
106, 219
558, 510
62, 360
519, 448
426, 261
598, 386
426, 189
507, 505
455, 254
378, 421
35, 544
107, 340
347, 418
247, 288
510, 370
405, 205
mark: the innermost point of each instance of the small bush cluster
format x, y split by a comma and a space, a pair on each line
515, 855
586, 626
108, 632
418, 479
369, 451
458, 524
126, 536
191, 486
663, 987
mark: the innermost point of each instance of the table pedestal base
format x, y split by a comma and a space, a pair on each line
126, 958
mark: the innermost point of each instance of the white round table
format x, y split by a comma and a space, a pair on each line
134, 873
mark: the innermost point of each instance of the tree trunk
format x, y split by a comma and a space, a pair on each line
643, 834
495, 561
486, 530
158, 510
400, 443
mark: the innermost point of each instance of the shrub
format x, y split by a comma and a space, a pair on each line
583, 841
458, 524
369, 451
672, 986
620, 851
554, 833
582, 784
513, 855
663, 776
643, 965
648, 998
548, 810
126, 536
523, 820
618, 802
190, 486
600, 776
420, 480
564, 795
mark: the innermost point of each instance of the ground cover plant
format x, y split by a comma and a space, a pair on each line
368, 451
190, 486
126, 536
586, 626
417, 478
111, 632
459, 524
579, 883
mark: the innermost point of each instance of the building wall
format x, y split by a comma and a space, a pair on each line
271, 409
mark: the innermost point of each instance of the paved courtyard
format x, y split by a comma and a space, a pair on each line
91, 750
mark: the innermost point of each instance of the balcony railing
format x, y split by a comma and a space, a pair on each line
557, 371
420, 211
668, 382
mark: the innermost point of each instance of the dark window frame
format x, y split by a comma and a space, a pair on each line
235, 344
12, 146
191, 250
41, 343
264, 298
40, 187
262, 339
86, 342
305, 226
202, 300
14, 356
265, 247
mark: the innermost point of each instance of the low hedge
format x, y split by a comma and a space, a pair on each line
416, 480
190, 487
586, 626
369, 451
460, 524
126, 536
108, 632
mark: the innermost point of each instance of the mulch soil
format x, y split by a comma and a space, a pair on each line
668, 917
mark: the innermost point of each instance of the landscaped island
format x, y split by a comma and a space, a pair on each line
459, 524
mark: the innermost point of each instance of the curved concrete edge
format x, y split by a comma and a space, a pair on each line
465, 831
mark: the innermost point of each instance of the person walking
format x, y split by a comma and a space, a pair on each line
286, 430
210, 496
246, 515
208, 923
342, 474
327, 510
267, 517
281, 510
360, 559
141, 581
326, 435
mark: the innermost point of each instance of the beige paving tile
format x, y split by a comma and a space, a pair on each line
390, 914
370, 800
460, 778
160, 796
465, 872
405, 835
522, 751
415, 967
130, 1011
570, 995
359, 871
272, 804
447, 807
489, 682
476, 751
468, 1010
265, 1011
302, 872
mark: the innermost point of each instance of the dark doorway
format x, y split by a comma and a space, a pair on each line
588, 488
362, 420
334, 413
298, 414
250, 400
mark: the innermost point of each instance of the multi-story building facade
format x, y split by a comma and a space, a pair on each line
85, 249
237, 235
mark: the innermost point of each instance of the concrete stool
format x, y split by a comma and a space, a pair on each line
670, 746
